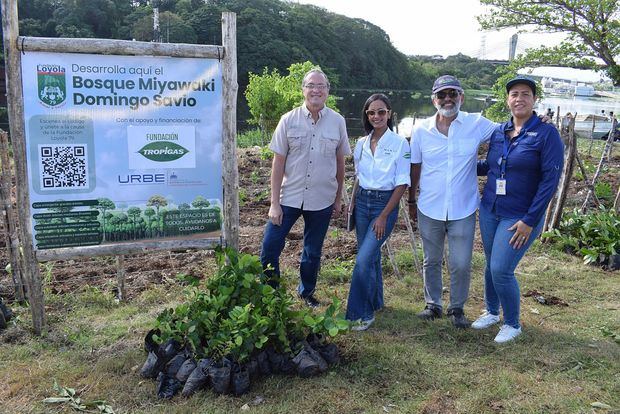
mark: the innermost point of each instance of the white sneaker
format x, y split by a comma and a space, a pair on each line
507, 333
363, 325
485, 320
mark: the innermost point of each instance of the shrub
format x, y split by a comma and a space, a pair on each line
595, 236
238, 312
603, 191
251, 138
271, 95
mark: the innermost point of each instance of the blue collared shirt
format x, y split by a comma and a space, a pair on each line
533, 168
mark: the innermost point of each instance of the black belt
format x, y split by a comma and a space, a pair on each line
374, 192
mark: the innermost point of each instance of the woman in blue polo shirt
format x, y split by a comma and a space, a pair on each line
382, 163
524, 164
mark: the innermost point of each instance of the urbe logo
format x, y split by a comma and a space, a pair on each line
52, 84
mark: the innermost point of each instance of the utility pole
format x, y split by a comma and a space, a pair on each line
512, 47
156, 33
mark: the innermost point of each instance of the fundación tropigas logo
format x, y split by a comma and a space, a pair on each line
163, 150
161, 146
52, 84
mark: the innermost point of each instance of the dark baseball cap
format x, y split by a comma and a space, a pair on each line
526, 80
446, 82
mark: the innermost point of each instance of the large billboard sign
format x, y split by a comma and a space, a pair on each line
122, 148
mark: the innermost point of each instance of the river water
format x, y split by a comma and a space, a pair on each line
412, 103
580, 104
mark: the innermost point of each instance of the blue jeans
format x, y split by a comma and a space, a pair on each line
315, 229
500, 284
460, 246
366, 293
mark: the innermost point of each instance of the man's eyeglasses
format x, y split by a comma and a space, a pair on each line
451, 93
320, 86
380, 112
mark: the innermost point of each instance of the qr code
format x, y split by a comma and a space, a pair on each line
63, 166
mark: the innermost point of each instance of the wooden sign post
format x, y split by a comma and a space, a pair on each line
14, 46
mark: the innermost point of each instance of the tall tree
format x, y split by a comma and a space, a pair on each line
592, 26
200, 202
134, 213
104, 205
158, 202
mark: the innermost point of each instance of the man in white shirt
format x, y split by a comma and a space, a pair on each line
307, 177
444, 150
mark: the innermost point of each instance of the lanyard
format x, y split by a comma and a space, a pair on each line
507, 148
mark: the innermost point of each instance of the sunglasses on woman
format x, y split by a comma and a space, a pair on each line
380, 112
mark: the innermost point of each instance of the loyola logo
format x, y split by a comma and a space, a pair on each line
163, 151
52, 84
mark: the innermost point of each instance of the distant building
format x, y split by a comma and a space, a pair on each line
584, 90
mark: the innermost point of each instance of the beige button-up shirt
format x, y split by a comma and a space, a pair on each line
310, 149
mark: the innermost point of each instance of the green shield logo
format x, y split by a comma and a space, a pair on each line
163, 151
52, 84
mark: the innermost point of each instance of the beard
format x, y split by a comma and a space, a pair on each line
449, 113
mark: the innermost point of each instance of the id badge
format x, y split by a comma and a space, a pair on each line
500, 186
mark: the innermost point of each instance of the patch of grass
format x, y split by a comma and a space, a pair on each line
243, 196
265, 153
604, 191
92, 296
255, 177
337, 271
262, 195
565, 360
251, 138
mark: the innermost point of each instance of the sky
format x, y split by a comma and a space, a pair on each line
418, 28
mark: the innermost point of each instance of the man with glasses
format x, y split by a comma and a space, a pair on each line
307, 177
444, 151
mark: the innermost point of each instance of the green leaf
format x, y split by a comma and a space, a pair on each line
333, 331
343, 324
601, 405
54, 400
78, 406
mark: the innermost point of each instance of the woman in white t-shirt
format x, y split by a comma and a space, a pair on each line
382, 163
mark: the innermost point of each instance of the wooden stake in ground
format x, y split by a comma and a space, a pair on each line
567, 174
120, 277
608, 144
414, 245
229, 133
10, 219
582, 168
15, 102
591, 135
390, 253
612, 135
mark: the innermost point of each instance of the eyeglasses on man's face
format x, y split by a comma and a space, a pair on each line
380, 112
319, 86
451, 93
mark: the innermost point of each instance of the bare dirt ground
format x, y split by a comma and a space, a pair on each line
144, 270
